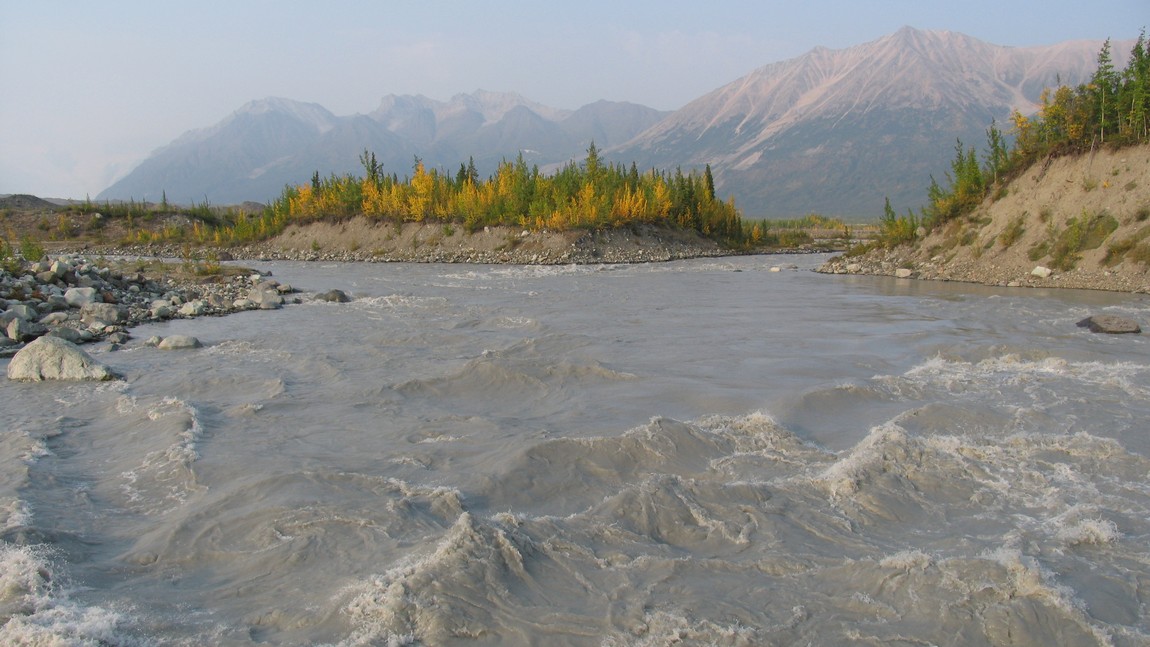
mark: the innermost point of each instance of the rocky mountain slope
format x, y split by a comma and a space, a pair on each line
836, 131
1076, 222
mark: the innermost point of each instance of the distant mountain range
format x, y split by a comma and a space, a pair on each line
830, 132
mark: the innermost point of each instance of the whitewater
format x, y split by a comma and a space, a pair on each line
733, 451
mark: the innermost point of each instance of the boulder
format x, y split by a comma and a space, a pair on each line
59, 268
77, 297
54, 318
193, 308
179, 342
334, 296
1041, 272
1110, 324
903, 273
21, 311
69, 334
24, 330
118, 337
265, 297
52, 358
107, 313
160, 312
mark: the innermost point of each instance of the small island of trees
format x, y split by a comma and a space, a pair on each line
590, 195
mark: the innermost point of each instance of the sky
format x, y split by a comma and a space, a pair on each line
89, 89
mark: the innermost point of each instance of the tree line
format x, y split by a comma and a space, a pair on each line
587, 195
1111, 109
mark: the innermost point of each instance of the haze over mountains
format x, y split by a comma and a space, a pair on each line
830, 132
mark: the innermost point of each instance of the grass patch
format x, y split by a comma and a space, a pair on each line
1013, 232
1038, 250
1140, 254
1081, 234
1133, 248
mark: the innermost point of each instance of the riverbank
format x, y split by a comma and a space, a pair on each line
1071, 222
899, 264
361, 240
84, 300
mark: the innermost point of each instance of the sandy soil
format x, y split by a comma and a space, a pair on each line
1015, 232
362, 239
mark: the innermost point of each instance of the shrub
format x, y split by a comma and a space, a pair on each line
894, 229
8, 260
1080, 234
1130, 248
30, 249
1038, 250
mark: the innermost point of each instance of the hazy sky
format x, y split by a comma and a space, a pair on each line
89, 89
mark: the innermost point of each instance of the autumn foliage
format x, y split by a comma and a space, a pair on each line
589, 195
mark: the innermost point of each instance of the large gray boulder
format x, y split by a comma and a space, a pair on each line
52, 358
1110, 324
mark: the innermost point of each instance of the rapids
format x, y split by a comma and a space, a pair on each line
702, 452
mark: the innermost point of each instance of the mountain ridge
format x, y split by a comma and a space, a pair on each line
832, 131
836, 131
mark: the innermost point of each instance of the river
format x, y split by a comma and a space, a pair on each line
733, 451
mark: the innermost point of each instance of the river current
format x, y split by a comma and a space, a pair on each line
704, 452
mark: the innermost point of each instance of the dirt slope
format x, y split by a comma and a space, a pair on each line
1085, 218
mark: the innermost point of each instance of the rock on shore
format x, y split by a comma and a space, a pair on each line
52, 358
902, 263
80, 300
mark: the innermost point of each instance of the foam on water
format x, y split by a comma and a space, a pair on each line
828, 547
1010, 370
171, 428
36, 607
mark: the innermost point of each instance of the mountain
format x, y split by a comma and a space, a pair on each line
254, 152
836, 131
831, 132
